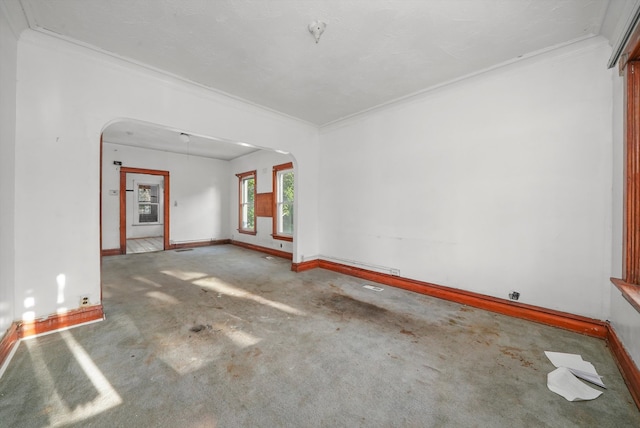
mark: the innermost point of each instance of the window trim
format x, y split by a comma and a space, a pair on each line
629, 66
241, 177
276, 170
136, 205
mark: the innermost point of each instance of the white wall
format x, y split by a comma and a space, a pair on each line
8, 55
625, 320
262, 161
66, 95
498, 182
198, 191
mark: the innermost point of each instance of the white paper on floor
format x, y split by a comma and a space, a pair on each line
576, 365
563, 382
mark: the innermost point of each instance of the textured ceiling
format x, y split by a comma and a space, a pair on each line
372, 52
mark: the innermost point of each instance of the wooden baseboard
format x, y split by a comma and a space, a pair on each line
111, 252
627, 367
8, 341
182, 245
270, 251
59, 321
22, 329
576, 323
302, 266
198, 244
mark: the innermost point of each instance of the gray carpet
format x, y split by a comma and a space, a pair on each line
222, 336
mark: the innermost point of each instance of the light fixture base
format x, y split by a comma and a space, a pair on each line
317, 28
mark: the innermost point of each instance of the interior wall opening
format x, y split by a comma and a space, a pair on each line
170, 185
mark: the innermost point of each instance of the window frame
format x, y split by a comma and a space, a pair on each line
241, 178
137, 203
277, 169
629, 284
629, 67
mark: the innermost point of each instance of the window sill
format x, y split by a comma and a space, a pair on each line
283, 238
247, 232
630, 292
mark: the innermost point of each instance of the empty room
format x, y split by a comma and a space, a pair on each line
365, 213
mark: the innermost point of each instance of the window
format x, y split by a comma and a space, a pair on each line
247, 197
283, 178
629, 284
148, 202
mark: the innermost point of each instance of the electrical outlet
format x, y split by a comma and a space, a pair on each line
84, 301
395, 272
514, 295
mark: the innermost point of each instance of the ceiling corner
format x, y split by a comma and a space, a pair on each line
14, 12
616, 19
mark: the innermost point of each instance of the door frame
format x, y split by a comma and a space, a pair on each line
123, 204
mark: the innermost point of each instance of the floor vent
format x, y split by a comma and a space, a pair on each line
372, 288
184, 249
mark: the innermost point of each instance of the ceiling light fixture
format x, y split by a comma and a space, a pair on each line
185, 138
317, 28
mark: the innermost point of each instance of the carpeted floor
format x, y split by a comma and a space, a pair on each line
223, 336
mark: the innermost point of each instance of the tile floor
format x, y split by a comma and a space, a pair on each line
145, 245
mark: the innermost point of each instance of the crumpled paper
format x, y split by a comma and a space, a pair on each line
563, 382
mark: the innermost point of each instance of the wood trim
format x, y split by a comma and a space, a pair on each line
123, 212
247, 174
302, 266
100, 204
58, 321
241, 176
629, 291
130, 170
571, 322
247, 232
111, 252
632, 173
631, 50
123, 203
8, 341
198, 244
627, 367
282, 238
21, 329
264, 204
101, 167
166, 211
270, 251
274, 208
288, 165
